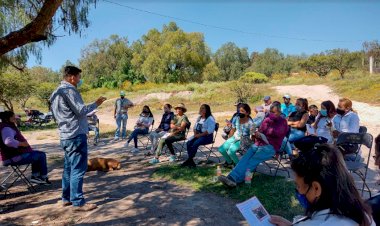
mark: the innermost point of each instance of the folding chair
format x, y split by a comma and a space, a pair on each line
356, 167
140, 137
16, 174
208, 147
183, 141
280, 156
362, 129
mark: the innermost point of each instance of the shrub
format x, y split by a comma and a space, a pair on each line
253, 77
278, 76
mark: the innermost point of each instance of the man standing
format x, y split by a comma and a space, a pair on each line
70, 114
121, 115
287, 107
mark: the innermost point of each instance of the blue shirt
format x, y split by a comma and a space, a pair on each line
69, 111
286, 110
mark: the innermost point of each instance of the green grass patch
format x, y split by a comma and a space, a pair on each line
276, 194
48, 126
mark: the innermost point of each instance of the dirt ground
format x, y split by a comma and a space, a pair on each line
130, 196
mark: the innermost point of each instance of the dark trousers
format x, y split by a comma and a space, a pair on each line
170, 140
192, 145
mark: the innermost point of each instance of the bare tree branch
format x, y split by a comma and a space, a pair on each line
35, 31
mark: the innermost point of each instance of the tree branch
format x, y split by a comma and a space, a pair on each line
9, 61
35, 31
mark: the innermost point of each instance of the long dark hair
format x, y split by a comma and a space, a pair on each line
304, 104
6, 116
325, 165
150, 112
208, 110
330, 107
246, 108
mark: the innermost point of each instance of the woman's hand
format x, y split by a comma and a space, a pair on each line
24, 144
279, 221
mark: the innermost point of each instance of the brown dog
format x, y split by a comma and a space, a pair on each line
102, 164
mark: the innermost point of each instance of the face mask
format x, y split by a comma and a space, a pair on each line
323, 112
79, 83
122, 97
241, 115
302, 199
298, 108
145, 112
340, 111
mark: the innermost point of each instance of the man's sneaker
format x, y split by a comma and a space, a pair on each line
46, 180
226, 181
64, 203
172, 158
135, 150
116, 139
154, 161
37, 180
85, 207
126, 144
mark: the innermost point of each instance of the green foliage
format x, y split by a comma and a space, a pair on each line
107, 63
170, 56
343, 61
72, 16
253, 77
42, 74
44, 90
372, 48
231, 61
318, 63
211, 72
15, 87
243, 91
279, 201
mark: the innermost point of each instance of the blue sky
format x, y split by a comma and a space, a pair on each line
264, 24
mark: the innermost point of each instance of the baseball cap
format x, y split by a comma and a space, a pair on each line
266, 98
287, 96
122, 93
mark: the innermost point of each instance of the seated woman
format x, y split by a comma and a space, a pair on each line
15, 149
229, 123
374, 202
326, 190
177, 132
142, 127
240, 128
321, 130
274, 128
346, 121
297, 122
162, 129
203, 134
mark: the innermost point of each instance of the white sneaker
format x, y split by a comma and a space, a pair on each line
126, 144
135, 150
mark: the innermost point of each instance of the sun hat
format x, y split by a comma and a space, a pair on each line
181, 105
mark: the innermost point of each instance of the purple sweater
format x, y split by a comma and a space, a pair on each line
275, 129
10, 139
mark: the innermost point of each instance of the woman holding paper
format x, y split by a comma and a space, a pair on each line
326, 190
203, 134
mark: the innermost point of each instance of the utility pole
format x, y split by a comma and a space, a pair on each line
371, 64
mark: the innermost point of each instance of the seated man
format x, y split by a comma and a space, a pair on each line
268, 140
15, 150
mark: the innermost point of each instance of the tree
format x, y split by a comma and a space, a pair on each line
342, 60
372, 48
26, 22
319, 64
108, 62
171, 55
15, 87
44, 91
231, 61
211, 72
41, 74
267, 62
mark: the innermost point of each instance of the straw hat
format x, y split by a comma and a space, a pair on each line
181, 105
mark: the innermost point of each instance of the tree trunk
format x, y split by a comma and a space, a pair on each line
35, 31
342, 74
8, 105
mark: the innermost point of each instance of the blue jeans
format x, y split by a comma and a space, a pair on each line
96, 130
121, 121
135, 133
254, 156
295, 134
38, 161
75, 167
192, 145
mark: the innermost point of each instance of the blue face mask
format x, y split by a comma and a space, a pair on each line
79, 83
298, 108
302, 199
323, 112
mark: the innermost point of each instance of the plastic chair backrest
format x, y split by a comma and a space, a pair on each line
355, 138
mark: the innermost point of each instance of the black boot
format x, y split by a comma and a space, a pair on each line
192, 164
185, 163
